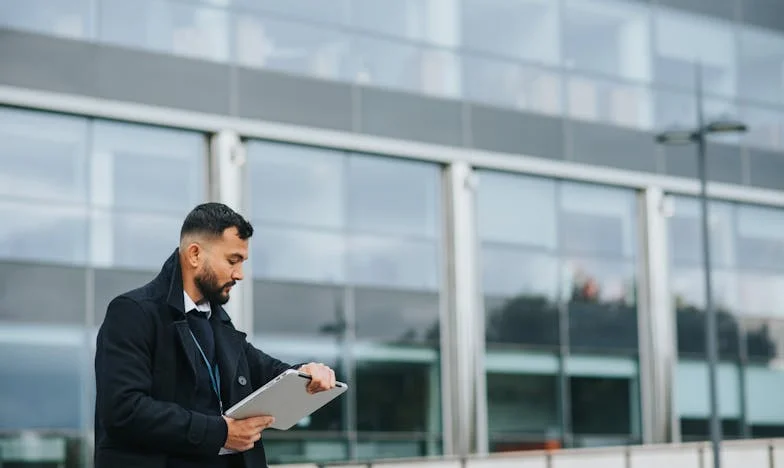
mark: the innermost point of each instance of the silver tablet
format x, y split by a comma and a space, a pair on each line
286, 398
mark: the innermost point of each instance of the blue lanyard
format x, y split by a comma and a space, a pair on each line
213, 371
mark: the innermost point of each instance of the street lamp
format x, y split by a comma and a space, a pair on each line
698, 136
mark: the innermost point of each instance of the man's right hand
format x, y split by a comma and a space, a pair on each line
244, 433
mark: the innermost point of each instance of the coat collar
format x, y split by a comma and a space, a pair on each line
171, 275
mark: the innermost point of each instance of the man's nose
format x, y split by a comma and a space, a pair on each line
237, 274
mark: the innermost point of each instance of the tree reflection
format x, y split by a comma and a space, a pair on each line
523, 319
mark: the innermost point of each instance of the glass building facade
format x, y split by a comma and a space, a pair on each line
379, 261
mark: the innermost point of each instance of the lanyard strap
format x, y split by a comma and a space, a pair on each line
212, 371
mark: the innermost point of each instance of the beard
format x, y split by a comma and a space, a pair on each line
207, 282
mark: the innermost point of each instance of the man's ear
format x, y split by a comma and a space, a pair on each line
192, 253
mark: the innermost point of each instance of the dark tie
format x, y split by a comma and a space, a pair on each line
200, 326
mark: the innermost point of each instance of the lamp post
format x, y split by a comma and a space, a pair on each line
698, 136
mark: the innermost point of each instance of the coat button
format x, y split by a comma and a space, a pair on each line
242, 380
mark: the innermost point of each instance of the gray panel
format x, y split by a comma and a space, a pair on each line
607, 145
76, 67
766, 168
725, 9
724, 162
161, 80
516, 132
411, 117
48, 63
765, 13
292, 99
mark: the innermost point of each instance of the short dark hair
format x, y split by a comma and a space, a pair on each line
212, 219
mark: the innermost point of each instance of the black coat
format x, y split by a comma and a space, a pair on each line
145, 369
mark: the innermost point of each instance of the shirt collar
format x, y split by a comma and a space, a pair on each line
190, 305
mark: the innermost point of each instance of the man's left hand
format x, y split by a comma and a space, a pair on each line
321, 377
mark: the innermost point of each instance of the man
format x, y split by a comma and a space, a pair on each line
169, 361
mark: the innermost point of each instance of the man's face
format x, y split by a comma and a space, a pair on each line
221, 266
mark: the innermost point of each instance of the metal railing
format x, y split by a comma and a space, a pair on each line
759, 453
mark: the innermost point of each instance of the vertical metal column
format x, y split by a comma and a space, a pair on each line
227, 184
656, 323
463, 330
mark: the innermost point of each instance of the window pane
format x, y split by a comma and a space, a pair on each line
692, 395
598, 220
42, 293
685, 233
395, 397
43, 232
70, 19
288, 254
766, 127
521, 293
765, 338
688, 289
683, 39
760, 244
148, 168
608, 36
28, 372
278, 44
391, 262
397, 317
42, 156
519, 29
507, 83
169, 26
137, 241
763, 397
761, 65
602, 405
674, 110
602, 304
404, 66
396, 448
415, 20
334, 12
523, 404
390, 196
298, 309
601, 100
297, 185
507, 203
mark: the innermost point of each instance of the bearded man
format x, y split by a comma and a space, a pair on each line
169, 361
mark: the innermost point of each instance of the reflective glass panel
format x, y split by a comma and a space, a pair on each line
608, 36
297, 185
607, 101
684, 39
170, 26
523, 404
290, 46
290, 254
298, 309
42, 293
602, 304
42, 156
43, 232
392, 196
507, 204
397, 317
147, 168
507, 83
761, 65
519, 29
393, 262
760, 244
135, 241
685, 231
521, 293
71, 19
602, 405
397, 396
597, 220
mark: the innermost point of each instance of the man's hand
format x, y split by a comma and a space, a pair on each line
244, 433
322, 377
